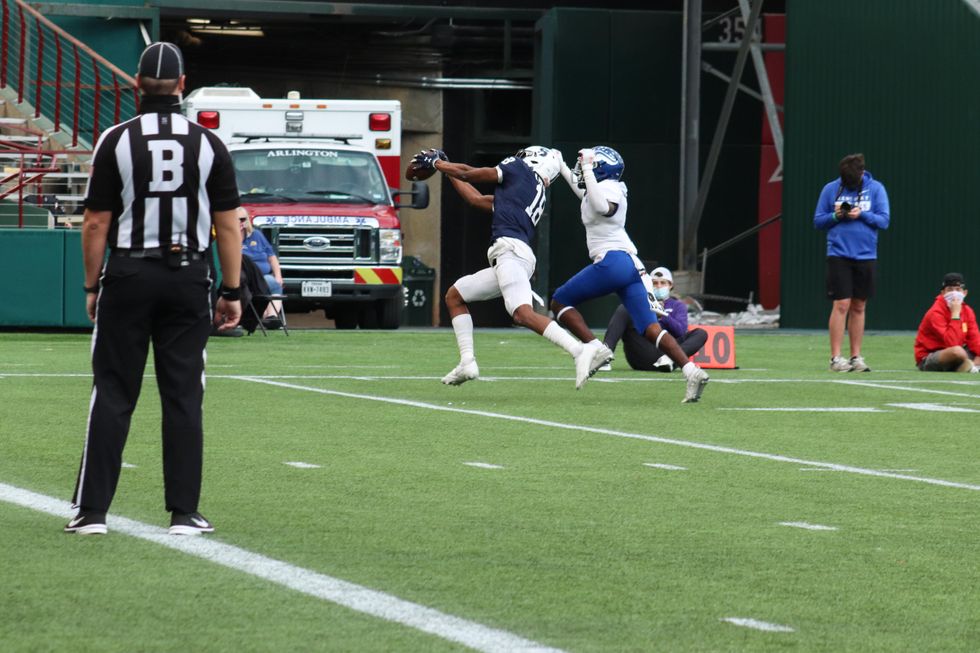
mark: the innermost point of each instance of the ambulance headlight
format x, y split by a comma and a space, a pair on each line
391, 245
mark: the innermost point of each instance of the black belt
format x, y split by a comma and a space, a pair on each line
156, 253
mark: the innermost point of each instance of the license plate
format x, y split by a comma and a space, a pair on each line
317, 289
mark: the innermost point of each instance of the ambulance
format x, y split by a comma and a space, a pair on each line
320, 179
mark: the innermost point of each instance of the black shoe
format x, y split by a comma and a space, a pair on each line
87, 522
272, 323
189, 524
236, 332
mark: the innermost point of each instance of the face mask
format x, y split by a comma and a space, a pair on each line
953, 296
661, 293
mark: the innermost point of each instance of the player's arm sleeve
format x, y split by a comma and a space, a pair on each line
824, 217
221, 186
676, 321
879, 216
566, 174
105, 182
594, 195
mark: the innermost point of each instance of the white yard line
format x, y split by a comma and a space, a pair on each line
620, 434
936, 408
890, 386
808, 526
301, 465
356, 597
816, 409
484, 465
755, 624
665, 466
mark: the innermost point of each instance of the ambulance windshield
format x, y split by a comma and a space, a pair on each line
309, 175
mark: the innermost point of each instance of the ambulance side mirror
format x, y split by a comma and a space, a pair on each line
419, 193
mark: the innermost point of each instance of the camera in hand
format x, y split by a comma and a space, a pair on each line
845, 208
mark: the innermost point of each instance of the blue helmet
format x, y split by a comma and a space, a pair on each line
608, 164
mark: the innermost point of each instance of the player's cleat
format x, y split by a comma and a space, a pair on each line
87, 522
858, 365
695, 385
462, 373
189, 524
663, 364
603, 356
605, 368
839, 364
590, 359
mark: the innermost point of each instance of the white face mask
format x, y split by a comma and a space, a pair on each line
953, 296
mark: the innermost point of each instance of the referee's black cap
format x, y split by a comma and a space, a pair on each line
161, 60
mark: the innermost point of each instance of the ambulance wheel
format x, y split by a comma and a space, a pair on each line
390, 312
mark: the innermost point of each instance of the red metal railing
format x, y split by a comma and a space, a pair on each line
71, 93
72, 86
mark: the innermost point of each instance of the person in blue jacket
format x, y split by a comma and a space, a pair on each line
641, 354
851, 209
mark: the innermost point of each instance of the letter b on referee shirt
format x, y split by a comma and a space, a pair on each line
168, 165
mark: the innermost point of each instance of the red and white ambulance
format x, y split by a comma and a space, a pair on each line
318, 178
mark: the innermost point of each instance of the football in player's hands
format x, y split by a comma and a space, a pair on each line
422, 165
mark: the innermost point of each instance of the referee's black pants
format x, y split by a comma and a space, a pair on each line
144, 299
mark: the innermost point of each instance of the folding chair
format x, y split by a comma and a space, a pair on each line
280, 312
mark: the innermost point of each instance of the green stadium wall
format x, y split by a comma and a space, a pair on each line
898, 82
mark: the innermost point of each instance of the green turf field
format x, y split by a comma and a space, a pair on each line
613, 518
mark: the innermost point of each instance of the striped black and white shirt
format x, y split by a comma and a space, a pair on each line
161, 175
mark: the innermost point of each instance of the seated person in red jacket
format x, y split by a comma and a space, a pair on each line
948, 339
641, 354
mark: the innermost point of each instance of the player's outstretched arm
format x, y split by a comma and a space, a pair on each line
467, 173
471, 195
566, 174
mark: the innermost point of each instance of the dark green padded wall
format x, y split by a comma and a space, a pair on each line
613, 77
898, 82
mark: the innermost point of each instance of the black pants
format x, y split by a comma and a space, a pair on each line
641, 354
143, 300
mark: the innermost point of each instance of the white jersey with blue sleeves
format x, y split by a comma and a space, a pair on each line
607, 233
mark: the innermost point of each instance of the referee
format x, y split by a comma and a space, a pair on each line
158, 183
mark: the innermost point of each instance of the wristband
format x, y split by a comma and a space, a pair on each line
93, 290
230, 294
954, 318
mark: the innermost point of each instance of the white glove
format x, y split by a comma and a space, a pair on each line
657, 307
587, 158
975, 370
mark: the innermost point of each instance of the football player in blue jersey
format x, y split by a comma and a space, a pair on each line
516, 205
615, 266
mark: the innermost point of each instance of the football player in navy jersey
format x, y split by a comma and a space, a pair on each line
615, 266
517, 206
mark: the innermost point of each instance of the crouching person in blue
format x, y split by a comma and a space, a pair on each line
641, 354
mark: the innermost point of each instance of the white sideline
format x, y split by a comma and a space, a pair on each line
356, 597
621, 434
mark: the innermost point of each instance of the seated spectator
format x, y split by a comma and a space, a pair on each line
948, 339
641, 354
257, 248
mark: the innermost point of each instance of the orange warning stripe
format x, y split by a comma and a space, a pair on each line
378, 276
